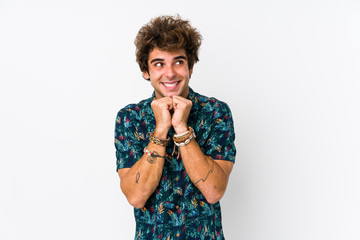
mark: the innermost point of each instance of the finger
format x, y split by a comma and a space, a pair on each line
169, 102
179, 99
170, 106
163, 102
180, 102
176, 101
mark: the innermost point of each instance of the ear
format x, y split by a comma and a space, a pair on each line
146, 75
190, 72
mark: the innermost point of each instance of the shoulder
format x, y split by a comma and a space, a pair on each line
208, 104
135, 110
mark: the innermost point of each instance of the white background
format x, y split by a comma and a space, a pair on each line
289, 71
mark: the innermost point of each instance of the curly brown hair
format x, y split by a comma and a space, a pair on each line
168, 34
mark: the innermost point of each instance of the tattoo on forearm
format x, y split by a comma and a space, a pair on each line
153, 157
137, 177
211, 171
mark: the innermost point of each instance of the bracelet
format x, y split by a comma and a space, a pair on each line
159, 141
151, 154
184, 140
183, 136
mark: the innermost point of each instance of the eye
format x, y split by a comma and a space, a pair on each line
179, 62
158, 64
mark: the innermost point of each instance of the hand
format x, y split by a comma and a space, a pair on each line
182, 108
161, 108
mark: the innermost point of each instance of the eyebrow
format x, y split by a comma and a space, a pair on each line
161, 59
156, 60
180, 57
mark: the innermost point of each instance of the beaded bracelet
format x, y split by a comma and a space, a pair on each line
151, 154
158, 141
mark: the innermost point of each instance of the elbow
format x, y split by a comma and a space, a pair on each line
214, 197
212, 200
136, 202
134, 199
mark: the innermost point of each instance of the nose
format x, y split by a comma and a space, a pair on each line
170, 72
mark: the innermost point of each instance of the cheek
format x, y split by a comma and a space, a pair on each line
187, 73
155, 74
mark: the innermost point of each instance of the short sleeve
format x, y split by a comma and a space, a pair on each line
128, 147
221, 141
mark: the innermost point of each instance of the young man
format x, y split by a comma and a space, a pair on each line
175, 150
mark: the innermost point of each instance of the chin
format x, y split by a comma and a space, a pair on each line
171, 94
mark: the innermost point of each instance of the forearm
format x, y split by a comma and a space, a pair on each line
207, 175
141, 180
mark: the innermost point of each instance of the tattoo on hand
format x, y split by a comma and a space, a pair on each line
137, 177
211, 171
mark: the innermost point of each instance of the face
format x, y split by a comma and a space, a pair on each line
169, 73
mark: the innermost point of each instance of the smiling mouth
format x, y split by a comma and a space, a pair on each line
171, 85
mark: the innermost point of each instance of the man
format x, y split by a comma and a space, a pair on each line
175, 150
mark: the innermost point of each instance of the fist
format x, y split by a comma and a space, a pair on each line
182, 108
161, 108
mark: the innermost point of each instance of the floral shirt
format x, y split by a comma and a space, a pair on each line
177, 209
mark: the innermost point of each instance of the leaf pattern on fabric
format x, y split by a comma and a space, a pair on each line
177, 209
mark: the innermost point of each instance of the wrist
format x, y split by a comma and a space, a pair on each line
181, 129
184, 138
158, 141
161, 132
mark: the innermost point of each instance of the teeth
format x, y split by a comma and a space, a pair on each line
170, 84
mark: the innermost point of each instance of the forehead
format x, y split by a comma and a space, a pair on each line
166, 55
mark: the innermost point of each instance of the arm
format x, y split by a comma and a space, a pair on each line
208, 175
140, 181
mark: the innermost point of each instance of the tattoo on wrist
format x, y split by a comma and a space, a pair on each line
153, 157
137, 177
211, 171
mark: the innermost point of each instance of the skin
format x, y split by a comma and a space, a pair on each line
169, 75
